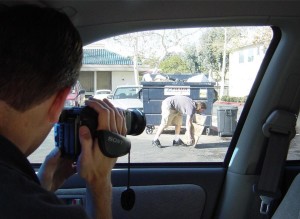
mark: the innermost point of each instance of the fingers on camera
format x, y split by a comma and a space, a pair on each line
112, 119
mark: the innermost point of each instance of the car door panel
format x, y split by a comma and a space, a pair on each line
187, 190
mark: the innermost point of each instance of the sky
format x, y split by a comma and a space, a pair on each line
126, 49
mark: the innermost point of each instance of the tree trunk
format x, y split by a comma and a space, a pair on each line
135, 61
223, 65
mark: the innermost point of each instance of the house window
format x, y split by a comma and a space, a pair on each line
250, 55
241, 57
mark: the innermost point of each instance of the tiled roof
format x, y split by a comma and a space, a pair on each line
104, 57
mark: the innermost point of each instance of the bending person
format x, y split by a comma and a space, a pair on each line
172, 110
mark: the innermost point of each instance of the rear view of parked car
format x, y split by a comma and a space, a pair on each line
76, 97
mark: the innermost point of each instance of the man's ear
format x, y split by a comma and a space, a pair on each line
58, 104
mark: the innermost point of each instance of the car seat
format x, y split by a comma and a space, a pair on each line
289, 207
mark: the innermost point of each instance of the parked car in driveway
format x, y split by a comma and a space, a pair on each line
127, 97
101, 94
76, 97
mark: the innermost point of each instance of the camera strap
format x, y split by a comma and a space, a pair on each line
112, 144
128, 195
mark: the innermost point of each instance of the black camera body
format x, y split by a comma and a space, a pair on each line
111, 144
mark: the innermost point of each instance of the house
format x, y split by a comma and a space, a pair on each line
244, 64
103, 69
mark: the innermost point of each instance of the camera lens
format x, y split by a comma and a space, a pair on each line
135, 121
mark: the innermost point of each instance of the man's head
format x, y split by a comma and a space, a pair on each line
40, 54
200, 107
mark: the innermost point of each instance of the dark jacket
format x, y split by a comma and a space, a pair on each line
21, 195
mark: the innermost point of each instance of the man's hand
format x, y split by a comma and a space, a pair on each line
92, 165
55, 170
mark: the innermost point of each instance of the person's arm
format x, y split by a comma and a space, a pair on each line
93, 166
188, 125
55, 170
99, 199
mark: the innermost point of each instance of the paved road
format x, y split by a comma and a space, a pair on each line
210, 148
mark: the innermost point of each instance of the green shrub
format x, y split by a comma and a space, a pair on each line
234, 99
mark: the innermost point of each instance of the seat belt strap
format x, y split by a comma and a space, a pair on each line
276, 154
279, 128
269, 182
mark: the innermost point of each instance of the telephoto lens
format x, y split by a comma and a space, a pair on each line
135, 121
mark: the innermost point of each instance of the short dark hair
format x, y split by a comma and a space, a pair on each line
40, 54
202, 104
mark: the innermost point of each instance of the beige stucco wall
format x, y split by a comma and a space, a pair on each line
120, 75
122, 78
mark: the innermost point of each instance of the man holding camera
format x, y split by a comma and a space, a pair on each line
40, 57
172, 110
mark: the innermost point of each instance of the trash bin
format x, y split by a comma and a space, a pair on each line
155, 92
226, 120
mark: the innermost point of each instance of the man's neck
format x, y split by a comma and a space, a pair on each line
22, 128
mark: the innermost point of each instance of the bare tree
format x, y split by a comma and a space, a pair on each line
131, 43
171, 40
223, 64
153, 45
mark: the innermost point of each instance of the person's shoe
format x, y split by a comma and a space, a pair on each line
156, 143
179, 143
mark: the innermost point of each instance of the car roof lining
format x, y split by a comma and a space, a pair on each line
105, 31
94, 18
